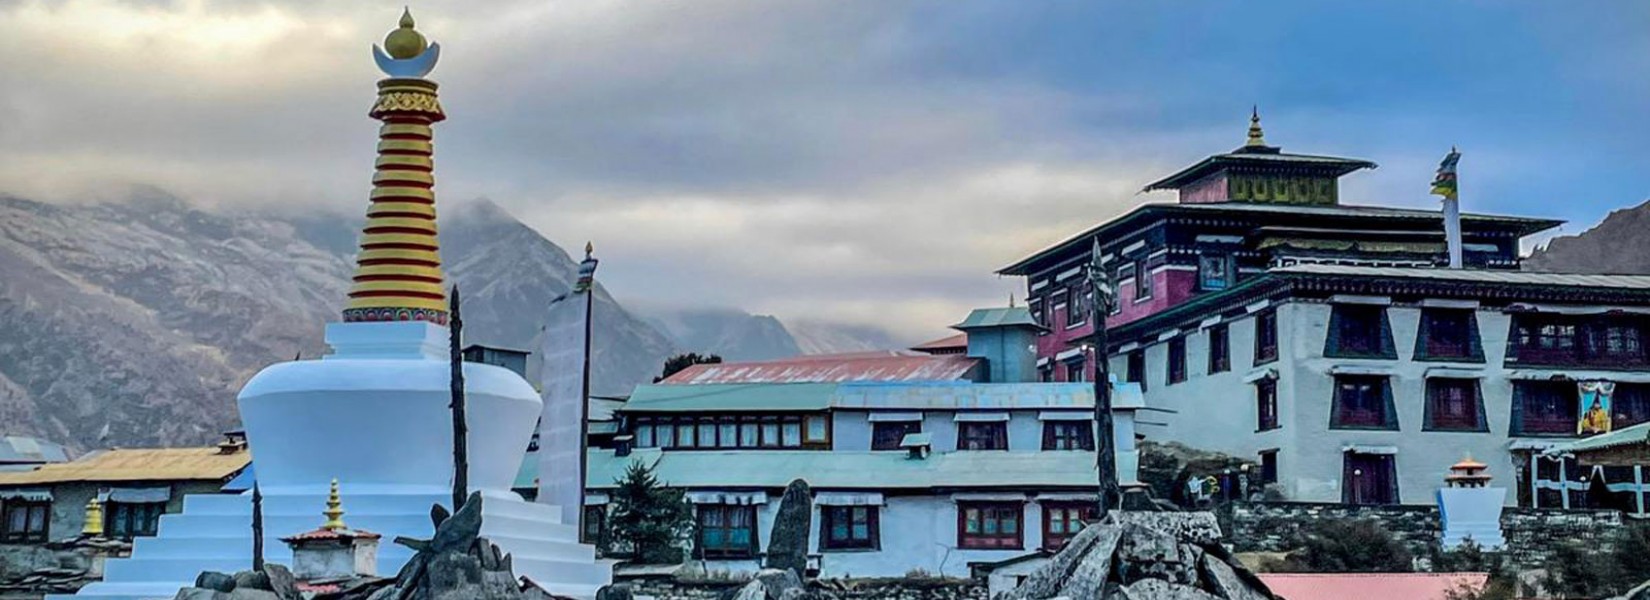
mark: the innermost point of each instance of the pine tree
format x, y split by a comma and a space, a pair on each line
649, 517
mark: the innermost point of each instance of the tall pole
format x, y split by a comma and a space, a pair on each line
257, 528
586, 283
1105, 447
461, 460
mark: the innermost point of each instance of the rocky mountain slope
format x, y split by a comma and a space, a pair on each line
1620, 244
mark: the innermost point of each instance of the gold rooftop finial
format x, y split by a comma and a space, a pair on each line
334, 511
1256, 138
94, 519
405, 42
589, 248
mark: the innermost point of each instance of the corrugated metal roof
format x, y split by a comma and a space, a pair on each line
137, 464
891, 365
998, 317
946, 343
1626, 436
20, 449
851, 470
1370, 586
731, 397
1478, 275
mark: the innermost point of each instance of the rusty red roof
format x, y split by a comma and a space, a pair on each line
1370, 586
882, 365
958, 343
328, 534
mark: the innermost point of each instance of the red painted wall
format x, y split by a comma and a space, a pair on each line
1208, 189
1171, 287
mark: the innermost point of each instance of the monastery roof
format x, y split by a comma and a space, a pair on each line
1501, 276
998, 317
1315, 215
884, 365
773, 469
137, 464
1332, 165
1370, 586
946, 343
930, 395
21, 449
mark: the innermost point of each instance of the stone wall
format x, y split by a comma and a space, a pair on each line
1531, 534
843, 589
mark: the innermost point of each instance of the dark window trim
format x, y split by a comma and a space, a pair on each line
1176, 351
1335, 346
1055, 541
977, 541
1424, 347
1268, 469
1579, 345
828, 517
889, 442
127, 520
1054, 437
1336, 411
1266, 336
1266, 397
1220, 362
1432, 399
27, 535
997, 438
727, 510
714, 421
1347, 488
1224, 278
1144, 287
1522, 395
1134, 368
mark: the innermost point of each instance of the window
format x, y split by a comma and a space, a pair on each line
1369, 479
818, 428
1268, 466
1362, 402
595, 525
1266, 404
1177, 360
1448, 334
1615, 341
989, 525
1220, 350
886, 435
25, 521
1068, 435
1075, 371
1358, 331
733, 431
1452, 405
1214, 272
1062, 521
1266, 336
1142, 281
126, 520
1544, 408
849, 528
1076, 311
1544, 339
748, 433
1038, 314
726, 531
982, 436
1045, 373
707, 432
1136, 371
1631, 404
727, 433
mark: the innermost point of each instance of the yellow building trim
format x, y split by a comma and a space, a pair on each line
413, 289
390, 206
417, 129
376, 239
399, 175
397, 270
398, 302
403, 222
419, 146
404, 160
398, 254
396, 191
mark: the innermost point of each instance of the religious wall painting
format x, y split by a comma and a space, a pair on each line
1595, 397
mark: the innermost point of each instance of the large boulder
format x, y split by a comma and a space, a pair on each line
788, 544
1144, 556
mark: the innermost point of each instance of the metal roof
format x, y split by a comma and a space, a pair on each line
928, 395
769, 469
1336, 166
1502, 276
888, 365
1370, 586
21, 449
998, 317
138, 464
1626, 436
946, 343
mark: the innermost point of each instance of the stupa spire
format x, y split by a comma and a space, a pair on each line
1256, 137
398, 271
335, 510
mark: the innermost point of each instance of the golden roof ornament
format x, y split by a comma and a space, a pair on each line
94, 519
1256, 137
334, 511
406, 54
405, 42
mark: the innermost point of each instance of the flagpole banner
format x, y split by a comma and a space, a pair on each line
561, 379
1594, 412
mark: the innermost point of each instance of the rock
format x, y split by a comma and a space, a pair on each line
776, 581
1144, 556
1221, 579
282, 582
788, 544
252, 580
213, 580
1046, 582
617, 591
1088, 577
252, 594
200, 593
458, 531
1157, 589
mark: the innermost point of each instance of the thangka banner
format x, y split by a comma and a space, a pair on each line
562, 381
1595, 407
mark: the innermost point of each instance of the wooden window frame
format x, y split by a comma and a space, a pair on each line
1344, 414
1359, 331
1144, 287
997, 435
1268, 466
1068, 435
1076, 313
880, 440
1176, 371
1134, 368
1266, 404
1220, 349
1560, 396
1084, 513
1630, 405
1441, 390
1217, 262
1437, 325
594, 530
830, 516
28, 534
710, 432
127, 520
991, 512
1266, 336
702, 531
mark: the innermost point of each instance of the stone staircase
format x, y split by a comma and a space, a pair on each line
214, 533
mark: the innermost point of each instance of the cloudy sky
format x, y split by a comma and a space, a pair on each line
861, 161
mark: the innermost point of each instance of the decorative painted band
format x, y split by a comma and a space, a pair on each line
365, 315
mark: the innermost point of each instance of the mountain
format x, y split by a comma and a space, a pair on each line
819, 337
1620, 244
730, 333
135, 323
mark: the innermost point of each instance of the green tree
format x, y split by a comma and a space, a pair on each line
678, 362
1350, 546
649, 517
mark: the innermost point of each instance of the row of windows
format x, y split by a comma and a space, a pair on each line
1057, 435
733, 431
29, 521
1220, 351
1539, 408
730, 531
1214, 272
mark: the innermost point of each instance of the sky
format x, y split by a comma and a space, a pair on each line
857, 161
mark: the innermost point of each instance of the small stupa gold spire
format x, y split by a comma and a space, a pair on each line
1256, 137
334, 511
405, 42
589, 249
94, 519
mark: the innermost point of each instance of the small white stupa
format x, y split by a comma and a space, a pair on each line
1468, 508
374, 414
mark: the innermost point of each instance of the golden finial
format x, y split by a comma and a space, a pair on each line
589, 249
405, 42
334, 511
1256, 138
94, 519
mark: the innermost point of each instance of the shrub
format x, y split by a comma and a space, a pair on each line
1349, 546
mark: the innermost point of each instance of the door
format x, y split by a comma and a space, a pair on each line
1369, 479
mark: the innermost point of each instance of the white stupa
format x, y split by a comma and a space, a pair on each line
374, 414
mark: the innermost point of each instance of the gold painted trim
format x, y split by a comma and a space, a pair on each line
404, 160
393, 175
390, 206
396, 191
398, 302
374, 239
420, 146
